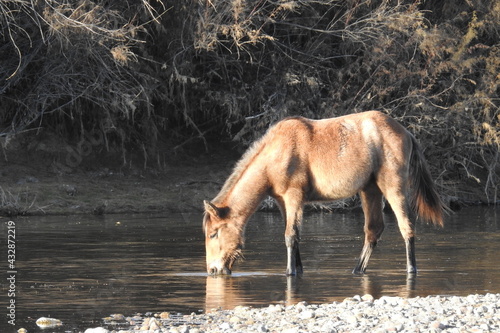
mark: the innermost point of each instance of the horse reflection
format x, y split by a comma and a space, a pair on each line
224, 292
374, 286
221, 293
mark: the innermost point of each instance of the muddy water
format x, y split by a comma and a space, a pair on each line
80, 269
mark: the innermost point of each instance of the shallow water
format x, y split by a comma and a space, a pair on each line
80, 269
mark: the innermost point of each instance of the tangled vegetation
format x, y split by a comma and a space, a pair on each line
150, 73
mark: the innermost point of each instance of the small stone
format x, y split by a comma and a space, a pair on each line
234, 319
183, 329
352, 320
262, 328
70, 190
485, 327
436, 326
164, 315
250, 321
97, 330
291, 330
275, 308
241, 309
328, 326
307, 314
117, 317
390, 327
45, 322
390, 300
154, 324
349, 300
367, 298
225, 326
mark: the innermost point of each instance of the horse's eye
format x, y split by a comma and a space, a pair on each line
214, 235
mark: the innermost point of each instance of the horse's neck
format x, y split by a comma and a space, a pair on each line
247, 192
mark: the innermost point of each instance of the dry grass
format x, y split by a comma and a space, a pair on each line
77, 64
139, 71
328, 58
15, 204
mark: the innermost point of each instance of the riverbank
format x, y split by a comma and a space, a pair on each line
38, 183
104, 186
473, 313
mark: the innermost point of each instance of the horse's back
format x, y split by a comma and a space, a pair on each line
333, 158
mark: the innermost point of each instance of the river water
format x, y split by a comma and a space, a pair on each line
80, 269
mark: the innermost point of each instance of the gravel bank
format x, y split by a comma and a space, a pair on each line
474, 313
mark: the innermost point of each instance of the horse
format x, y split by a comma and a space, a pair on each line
301, 160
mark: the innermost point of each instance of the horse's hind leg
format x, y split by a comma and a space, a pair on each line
401, 208
371, 199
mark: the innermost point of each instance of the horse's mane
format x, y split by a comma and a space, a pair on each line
241, 166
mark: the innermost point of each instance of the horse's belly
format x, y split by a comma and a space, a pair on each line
339, 186
330, 194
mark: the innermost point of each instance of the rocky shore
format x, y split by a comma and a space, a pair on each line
473, 313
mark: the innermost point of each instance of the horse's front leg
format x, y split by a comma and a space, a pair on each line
294, 263
291, 209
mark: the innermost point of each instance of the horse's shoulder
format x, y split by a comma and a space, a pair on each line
294, 123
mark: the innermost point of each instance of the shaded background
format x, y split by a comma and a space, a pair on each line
146, 80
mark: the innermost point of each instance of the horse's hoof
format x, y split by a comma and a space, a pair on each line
412, 271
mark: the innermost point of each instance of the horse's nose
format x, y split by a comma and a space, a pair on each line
219, 271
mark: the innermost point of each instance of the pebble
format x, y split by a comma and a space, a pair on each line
44, 322
96, 330
164, 315
234, 319
367, 298
225, 326
474, 313
307, 314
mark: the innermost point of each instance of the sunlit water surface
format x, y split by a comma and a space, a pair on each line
80, 269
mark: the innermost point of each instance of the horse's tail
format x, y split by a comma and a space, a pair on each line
425, 200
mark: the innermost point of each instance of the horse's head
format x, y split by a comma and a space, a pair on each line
223, 239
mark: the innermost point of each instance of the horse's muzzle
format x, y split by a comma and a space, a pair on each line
214, 270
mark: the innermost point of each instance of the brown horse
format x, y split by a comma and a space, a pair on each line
300, 160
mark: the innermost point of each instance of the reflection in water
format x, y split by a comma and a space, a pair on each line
375, 288
225, 292
220, 293
81, 269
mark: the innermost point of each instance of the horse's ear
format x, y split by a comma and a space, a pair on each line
210, 208
214, 210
